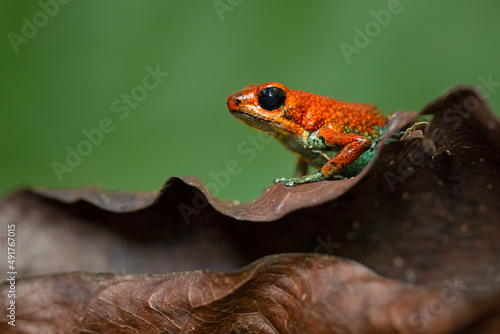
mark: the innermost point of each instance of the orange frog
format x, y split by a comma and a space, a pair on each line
335, 136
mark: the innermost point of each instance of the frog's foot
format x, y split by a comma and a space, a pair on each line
290, 182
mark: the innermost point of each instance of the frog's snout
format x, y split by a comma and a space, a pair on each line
233, 101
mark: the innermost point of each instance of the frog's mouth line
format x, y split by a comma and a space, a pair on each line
254, 120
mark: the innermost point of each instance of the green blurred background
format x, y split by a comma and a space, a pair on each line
69, 70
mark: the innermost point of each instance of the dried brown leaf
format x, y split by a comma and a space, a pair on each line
290, 293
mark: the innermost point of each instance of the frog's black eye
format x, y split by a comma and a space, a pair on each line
271, 98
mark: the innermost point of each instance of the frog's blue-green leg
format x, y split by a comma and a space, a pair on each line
300, 175
318, 176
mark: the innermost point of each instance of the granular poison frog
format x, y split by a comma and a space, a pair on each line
335, 136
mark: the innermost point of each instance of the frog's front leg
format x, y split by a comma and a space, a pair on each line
353, 146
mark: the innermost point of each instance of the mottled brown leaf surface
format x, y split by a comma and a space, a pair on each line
290, 293
424, 216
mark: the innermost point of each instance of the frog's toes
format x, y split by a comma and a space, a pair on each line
290, 182
282, 179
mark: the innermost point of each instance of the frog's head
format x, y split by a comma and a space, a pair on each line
270, 107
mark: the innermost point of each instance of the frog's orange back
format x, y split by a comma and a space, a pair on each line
318, 111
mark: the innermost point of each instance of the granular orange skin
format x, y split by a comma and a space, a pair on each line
326, 133
318, 112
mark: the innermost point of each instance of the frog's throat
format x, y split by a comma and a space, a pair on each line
285, 135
